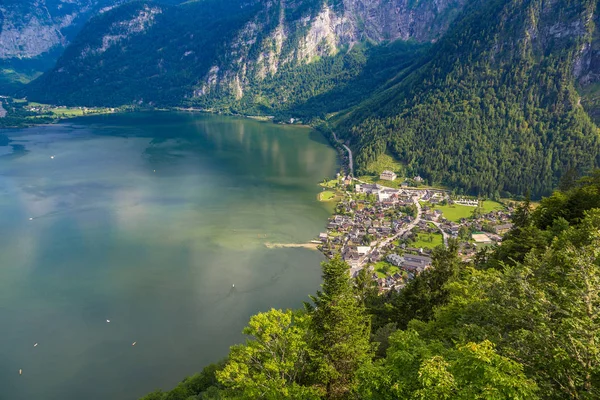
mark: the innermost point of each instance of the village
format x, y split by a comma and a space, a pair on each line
392, 231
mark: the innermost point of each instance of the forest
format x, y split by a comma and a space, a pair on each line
521, 321
495, 111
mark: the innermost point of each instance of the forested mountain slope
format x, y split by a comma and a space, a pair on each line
241, 54
495, 110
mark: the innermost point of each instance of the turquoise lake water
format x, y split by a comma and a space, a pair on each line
147, 220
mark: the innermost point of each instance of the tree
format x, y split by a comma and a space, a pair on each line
427, 291
427, 370
273, 363
340, 329
365, 286
543, 312
203, 386
566, 343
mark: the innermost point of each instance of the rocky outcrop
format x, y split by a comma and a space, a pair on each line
209, 50
122, 30
321, 31
31, 28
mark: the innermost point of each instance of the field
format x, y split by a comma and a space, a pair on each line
385, 162
456, 212
428, 240
327, 195
65, 112
331, 184
489, 206
453, 212
382, 266
375, 179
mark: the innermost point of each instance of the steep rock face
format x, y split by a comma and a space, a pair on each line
201, 51
30, 28
324, 29
587, 70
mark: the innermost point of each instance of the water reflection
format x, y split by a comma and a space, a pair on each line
147, 220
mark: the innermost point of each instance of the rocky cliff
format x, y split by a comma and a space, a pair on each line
31, 28
221, 50
279, 36
34, 33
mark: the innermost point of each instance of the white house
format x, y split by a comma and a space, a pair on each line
387, 175
395, 259
362, 250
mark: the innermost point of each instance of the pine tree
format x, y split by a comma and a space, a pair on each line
340, 329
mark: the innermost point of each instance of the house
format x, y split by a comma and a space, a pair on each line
387, 175
367, 188
375, 256
384, 195
502, 229
394, 259
362, 250
418, 179
351, 258
467, 202
416, 263
323, 237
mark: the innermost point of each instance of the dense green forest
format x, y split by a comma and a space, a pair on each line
495, 110
519, 322
327, 85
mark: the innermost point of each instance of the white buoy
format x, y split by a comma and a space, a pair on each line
133, 344
233, 285
52, 157
31, 219
35, 345
108, 320
20, 372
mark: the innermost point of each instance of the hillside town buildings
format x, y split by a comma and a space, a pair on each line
374, 228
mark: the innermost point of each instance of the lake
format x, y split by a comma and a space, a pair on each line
147, 220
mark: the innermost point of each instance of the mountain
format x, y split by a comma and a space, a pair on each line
495, 109
218, 54
34, 33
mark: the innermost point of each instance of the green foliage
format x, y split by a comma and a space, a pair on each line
427, 291
273, 362
417, 369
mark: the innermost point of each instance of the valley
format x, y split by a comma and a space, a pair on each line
159, 199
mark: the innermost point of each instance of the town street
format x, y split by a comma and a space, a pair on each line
444, 234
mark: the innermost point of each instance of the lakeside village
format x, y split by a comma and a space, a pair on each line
392, 231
